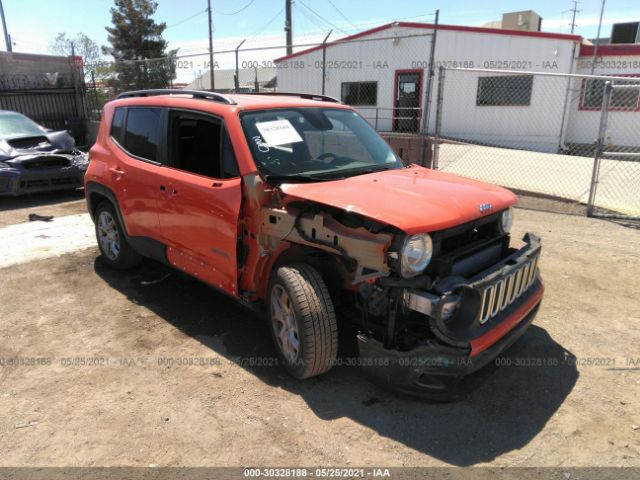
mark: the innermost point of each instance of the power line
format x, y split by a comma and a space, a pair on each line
187, 19
239, 10
342, 14
321, 17
266, 25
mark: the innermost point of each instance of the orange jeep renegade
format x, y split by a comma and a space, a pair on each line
293, 204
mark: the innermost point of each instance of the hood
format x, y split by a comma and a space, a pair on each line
54, 142
412, 199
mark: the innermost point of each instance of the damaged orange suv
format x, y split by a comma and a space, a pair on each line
293, 205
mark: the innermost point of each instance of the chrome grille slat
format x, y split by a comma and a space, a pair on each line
498, 296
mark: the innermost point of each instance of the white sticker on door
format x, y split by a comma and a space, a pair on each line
278, 132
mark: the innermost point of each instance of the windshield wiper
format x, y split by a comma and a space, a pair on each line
294, 177
352, 172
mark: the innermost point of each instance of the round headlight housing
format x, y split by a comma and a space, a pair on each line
506, 220
416, 254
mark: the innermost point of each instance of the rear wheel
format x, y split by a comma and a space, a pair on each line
112, 242
302, 321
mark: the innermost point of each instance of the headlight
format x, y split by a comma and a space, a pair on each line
416, 255
506, 220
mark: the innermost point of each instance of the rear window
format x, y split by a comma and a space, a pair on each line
116, 124
142, 133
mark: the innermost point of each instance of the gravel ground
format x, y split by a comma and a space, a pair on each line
107, 374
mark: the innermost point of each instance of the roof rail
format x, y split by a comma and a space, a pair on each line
308, 96
200, 94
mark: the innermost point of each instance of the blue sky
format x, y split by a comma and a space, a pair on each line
34, 23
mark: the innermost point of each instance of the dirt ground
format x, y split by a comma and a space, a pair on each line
101, 368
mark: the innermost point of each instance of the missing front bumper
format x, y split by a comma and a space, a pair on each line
435, 371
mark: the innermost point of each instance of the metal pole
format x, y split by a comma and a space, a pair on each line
288, 27
427, 99
7, 38
436, 137
324, 58
602, 131
211, 77
376, 127
595, 48
237, 67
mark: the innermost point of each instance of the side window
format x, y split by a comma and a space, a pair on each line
142, 133
196, 144
229, 163
116, 124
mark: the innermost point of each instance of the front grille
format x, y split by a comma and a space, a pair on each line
46, 162
53, 182
498, 296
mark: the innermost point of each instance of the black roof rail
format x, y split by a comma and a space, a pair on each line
308, 96
201, 94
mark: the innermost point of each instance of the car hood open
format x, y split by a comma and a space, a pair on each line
413, 199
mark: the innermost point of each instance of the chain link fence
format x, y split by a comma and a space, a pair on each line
543, 133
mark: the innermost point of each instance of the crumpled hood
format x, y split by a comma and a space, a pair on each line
54, 142
412, 199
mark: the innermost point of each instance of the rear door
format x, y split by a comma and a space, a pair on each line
200, 195
134, 165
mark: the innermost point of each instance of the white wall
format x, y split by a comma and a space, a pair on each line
535, 126
623, 127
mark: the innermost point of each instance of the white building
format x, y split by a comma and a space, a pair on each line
383, 72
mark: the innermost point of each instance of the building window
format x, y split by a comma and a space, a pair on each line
622, 99
512, 90
360, 93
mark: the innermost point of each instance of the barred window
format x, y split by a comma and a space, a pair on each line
621, 98
513, 90
360, 93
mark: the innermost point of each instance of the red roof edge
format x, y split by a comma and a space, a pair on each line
621, 49
430, 26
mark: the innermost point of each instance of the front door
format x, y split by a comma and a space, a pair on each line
200, 193
408, 89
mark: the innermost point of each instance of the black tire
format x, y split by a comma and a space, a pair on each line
126, 257
314, 316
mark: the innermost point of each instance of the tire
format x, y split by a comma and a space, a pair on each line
313, 317
114, 247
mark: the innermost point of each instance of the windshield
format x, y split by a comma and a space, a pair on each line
16, 125
315, 144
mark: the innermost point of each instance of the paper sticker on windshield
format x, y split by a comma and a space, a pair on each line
278, 132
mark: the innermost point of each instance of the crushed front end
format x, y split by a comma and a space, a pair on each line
477, 296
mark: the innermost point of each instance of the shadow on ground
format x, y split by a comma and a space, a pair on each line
505, 412
40, 199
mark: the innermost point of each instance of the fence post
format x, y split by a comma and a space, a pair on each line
324, 58
376, 124
426, 112
602, 131
436, 136
237, 79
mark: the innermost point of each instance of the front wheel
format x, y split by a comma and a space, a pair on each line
302, 321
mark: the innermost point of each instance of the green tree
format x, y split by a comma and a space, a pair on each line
81, 45
137, 46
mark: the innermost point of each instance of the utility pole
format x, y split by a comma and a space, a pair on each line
595, 47
574, 10
7, 37
213, 81
288, 27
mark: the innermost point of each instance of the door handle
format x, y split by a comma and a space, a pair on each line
116, 170
162, 188
216, 184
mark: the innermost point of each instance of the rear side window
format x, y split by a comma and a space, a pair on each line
116, 124
142, 133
